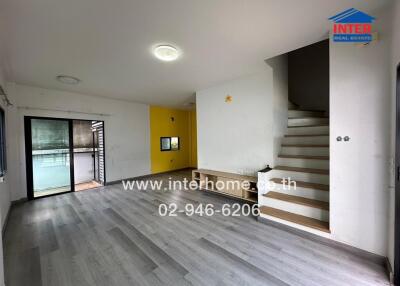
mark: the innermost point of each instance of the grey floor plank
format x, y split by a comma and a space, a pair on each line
140, 259
148, 246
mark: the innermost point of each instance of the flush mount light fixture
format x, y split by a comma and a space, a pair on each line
68, 79
166, 53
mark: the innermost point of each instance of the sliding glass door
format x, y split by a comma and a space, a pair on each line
49, 154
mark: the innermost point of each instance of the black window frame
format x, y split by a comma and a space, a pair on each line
28, 154
170, 145
3, 151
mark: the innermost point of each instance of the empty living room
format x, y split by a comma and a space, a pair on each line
188, 142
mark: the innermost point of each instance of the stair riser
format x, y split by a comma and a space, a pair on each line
307, 121
296, 208
304, 177
301, 113
308, 130
311, 151
302, 192
306, 140
304, 163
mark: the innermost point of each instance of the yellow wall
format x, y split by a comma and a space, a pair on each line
193, 138
161, 125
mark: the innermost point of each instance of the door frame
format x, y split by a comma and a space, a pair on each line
28, 153
397, 185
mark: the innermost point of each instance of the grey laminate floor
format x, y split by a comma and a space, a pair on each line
113, 237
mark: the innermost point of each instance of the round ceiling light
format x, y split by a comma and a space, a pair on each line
68, 79
166, 53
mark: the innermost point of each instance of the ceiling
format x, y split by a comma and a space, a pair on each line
107, 44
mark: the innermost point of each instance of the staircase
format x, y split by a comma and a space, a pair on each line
304, 158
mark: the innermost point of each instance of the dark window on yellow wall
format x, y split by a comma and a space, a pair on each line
169, 143
165, 143
3, 161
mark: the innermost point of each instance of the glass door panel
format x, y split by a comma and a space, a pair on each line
51, 156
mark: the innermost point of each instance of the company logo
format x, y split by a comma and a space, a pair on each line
352, 25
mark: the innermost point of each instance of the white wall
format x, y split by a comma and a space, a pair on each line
127, 132
394, 62
237, 136
280, 83
360, 101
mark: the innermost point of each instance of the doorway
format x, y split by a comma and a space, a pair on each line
63, 155
88, 140
397, 186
